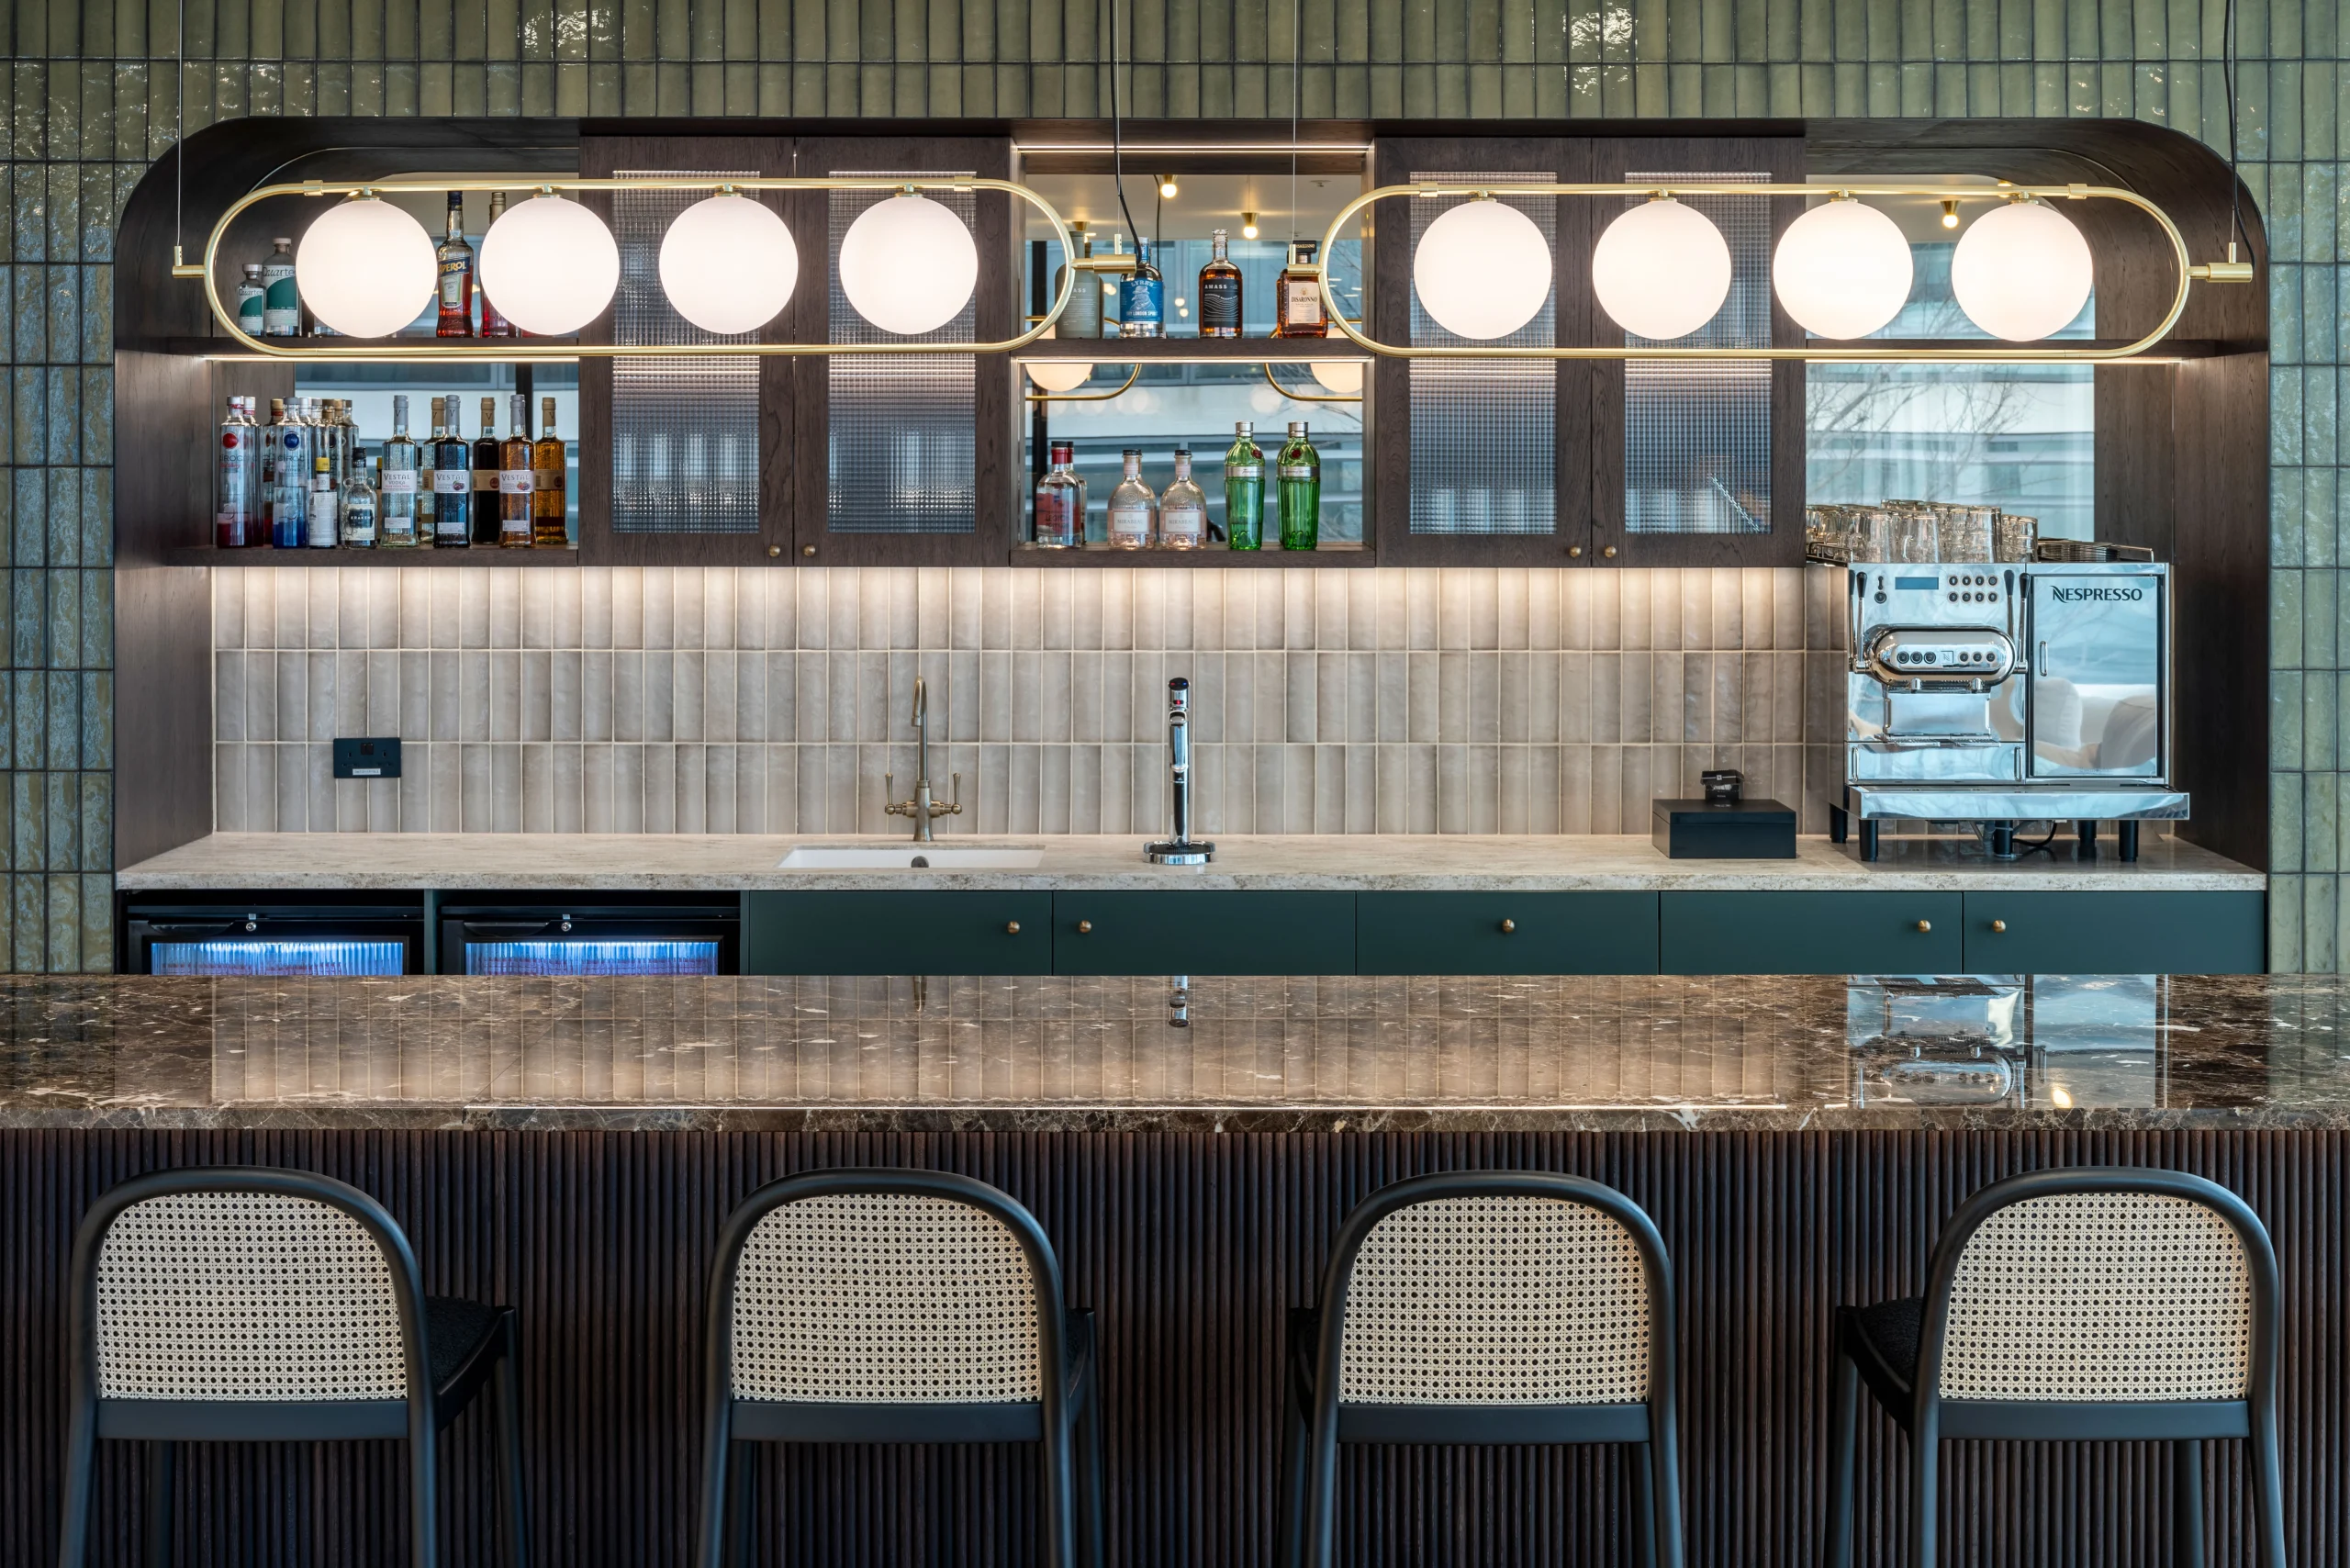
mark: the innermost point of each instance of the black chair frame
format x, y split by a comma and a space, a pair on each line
1318, 1420
1922, 1411
1063, 1422
163, 1423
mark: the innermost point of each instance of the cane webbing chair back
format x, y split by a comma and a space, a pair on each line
884, 1297
244, 1296
1496, 1300
2100, 1297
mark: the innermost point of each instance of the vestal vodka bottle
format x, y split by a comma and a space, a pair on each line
452, 479
1298, 471
486, 463
402, 466
514, 480
1244, 489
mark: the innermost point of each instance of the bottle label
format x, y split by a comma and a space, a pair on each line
547, 478
400, 481
1303, 295
281, 303
1299, 471
485, 479
516, 482
1140, 302
1220, 303
449, 481
1244, 470
359, 520
252, 317
453, 273
1182, 522
1131, 523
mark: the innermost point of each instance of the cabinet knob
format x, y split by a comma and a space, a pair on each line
1574, 551
773, 551
1085, 928
806, 549
1011, 928
1925, 925
1999, 926
1508, 926
1610, 551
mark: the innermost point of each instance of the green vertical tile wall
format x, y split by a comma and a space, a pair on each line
88, 93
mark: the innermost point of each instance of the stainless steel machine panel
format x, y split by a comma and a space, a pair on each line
2097, 706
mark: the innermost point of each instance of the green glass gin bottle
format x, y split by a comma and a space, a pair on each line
1298, 471
1244, 491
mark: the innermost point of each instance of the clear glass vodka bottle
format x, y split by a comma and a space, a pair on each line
1183, 510
1134, 510
1060, 501
402, 471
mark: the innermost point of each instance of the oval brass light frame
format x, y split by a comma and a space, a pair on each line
509, 350
1853, 350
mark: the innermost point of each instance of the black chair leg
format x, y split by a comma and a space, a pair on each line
162, 1467
507, 1397
2186, 1504
1642, 1464
741, 1477
1843, 1446
1090, 1504
1288, 1547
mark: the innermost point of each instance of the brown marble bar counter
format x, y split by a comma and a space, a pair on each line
570, 1147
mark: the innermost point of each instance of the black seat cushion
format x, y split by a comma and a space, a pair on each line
1895, 1330
454, 1331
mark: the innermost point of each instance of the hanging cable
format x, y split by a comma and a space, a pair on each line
1296, 70
1117, 152
179, 142
2235, 185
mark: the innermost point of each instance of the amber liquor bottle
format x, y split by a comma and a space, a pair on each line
548, 489
1300, 301
1219, 294
515, 482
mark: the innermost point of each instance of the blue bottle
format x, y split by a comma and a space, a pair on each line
1142, 298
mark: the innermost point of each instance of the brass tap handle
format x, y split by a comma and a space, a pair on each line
1508, 926
1925, 925
938, 808
1011, 928
1085, 928
1999, 926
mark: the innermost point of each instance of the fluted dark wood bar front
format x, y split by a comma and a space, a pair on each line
570, 1149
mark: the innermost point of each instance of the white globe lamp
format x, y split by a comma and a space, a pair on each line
1843, 269
366, 268
549, 265
2021, 271
1662, 270
1057, 375
728, 265
1482, 270
908, 265
1343, 376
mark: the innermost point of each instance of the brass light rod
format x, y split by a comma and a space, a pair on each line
1296, 397
2230, 271
1040, 396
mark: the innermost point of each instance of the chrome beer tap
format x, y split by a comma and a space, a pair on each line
1183, 849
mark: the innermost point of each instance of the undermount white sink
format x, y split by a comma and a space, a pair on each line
907, 857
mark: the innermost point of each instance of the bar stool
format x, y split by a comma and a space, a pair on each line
1486, 1307
241, 1303
895, 1306
2099, 1304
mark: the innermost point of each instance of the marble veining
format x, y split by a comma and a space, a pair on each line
1659, 1053
1350, 863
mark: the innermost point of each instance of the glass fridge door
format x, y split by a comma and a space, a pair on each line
2096, 696
275, 955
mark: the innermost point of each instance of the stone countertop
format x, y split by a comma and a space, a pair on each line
1336, 862
1653, 1054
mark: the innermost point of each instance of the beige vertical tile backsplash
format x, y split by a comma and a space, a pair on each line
674, 700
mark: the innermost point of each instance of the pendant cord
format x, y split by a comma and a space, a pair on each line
1117, 152
179, 138
1297, 70
2235, 185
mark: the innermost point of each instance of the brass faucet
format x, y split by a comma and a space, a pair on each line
922, 808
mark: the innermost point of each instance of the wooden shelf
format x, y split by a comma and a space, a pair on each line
1212, 559
1164, 350
480, 556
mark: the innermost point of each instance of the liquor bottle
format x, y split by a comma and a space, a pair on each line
1134, 510
252, 310
1183, 510
1244, 489
1219, 294
457, 259
1298, 470
281, 311
494, 324
403, 465
237, 515
290, 489
1083, 317
1112, 287
1060, 502
548, 489
452, 479
1300, 315
1142, 298
323, 525
514, 481
488, 461
360, 506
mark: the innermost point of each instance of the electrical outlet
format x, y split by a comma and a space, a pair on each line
367, 756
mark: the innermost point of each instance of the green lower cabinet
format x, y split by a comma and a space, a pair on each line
1204, 934
1506, 933
1811, 934
2117, 933
896, 934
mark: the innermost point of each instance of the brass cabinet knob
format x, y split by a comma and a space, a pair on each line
1011, 928
1999, 926
773, 551
1925, 925
806, 549
1610, 551
1574, 551
1508, 926
1085, 928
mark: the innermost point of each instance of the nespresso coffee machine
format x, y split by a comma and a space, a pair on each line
2006, 692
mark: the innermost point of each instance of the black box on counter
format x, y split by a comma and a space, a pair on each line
1742, 829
